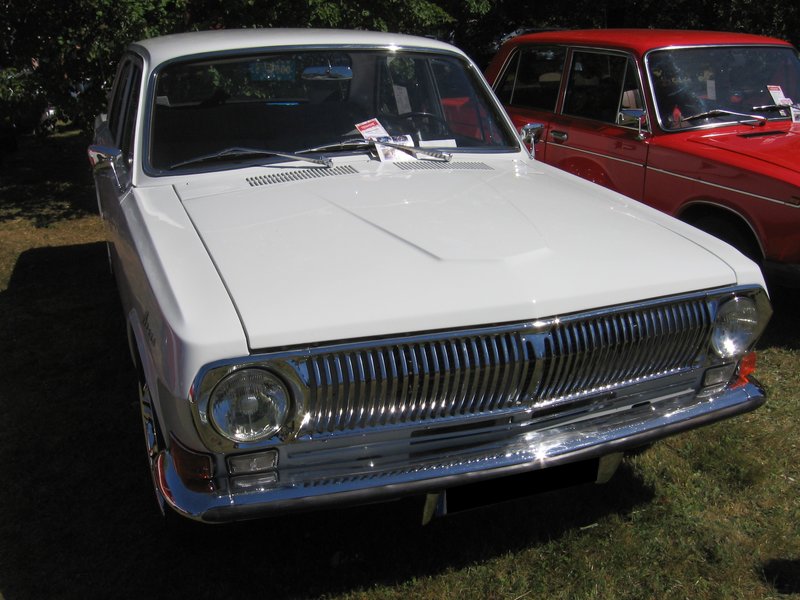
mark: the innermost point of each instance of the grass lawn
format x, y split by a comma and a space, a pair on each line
709, 514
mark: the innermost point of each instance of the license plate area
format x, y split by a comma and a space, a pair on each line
471, 496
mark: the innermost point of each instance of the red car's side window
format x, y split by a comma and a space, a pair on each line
532, 78
601, 85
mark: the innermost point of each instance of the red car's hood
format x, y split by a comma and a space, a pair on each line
778, 146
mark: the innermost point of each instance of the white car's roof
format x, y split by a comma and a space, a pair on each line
167, 47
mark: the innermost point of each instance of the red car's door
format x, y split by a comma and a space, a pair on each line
592, 135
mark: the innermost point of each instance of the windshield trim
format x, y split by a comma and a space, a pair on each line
146, 128
663, 127
276, 162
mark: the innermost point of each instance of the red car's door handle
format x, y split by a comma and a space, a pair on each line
559, 136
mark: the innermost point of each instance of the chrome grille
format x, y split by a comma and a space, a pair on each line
417, 381
413, 380
592, 354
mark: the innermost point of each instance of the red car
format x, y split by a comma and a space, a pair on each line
702, 125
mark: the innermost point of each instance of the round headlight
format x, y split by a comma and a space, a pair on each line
736, 328
249, 405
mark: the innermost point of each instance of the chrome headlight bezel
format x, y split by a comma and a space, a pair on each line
738, 324
208, 381
248, 405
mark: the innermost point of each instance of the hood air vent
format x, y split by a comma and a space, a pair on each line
299, 175
419, 165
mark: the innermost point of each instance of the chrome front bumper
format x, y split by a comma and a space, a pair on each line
364, 468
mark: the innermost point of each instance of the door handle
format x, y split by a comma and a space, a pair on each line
559, 136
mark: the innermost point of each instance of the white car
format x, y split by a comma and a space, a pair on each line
345, 280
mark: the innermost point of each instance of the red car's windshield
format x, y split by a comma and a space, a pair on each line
700, 87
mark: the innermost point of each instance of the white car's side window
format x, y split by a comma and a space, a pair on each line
128, 124
117, 99
124, 105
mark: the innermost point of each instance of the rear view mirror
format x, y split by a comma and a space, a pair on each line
327, 73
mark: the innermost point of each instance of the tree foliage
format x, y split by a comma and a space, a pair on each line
53, 50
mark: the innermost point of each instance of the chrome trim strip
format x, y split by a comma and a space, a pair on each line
726, 188
614, 158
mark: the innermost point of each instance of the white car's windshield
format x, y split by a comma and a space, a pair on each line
701, 87
205, 111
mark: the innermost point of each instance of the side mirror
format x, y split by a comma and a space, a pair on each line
101, 157
530, 134
634, 115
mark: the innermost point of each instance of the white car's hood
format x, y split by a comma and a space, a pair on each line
381, 250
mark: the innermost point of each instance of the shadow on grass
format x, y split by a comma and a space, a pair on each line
782, 575
47, 180
784, 327
77, 515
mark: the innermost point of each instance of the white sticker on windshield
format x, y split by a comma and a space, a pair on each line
438, 144
777, 95
796, 114
371, 129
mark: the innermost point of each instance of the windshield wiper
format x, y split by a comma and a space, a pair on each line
771, 108
721, 112
362, 143
236, 152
